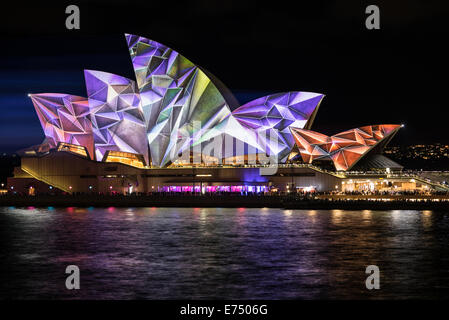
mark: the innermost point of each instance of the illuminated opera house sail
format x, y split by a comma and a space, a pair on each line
344, 149
146, 134
173, 107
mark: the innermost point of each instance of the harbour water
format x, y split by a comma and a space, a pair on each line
222, 253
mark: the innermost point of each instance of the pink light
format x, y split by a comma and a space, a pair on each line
236, 188
110, 187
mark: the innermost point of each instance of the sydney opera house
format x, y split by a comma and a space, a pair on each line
177, 128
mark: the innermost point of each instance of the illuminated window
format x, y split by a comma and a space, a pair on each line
131, 159
72, 148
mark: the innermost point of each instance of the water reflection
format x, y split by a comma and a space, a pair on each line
426, 219
202, 217
367, 216
312, 213
288, 216
213, 253
337, 216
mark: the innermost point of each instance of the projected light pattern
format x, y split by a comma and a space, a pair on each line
175, 93
229, 142
271, 116
117, 119
345, 149
64, 118
176, 106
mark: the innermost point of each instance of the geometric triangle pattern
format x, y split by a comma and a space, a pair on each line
242, 141
117, 118
175, 105
64, 118
271, 117
175, 93
179, 100
344, 149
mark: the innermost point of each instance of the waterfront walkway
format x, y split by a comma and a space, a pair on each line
385, 197
346, 202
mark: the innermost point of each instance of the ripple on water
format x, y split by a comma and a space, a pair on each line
221, 253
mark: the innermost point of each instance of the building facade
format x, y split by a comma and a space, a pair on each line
177, 128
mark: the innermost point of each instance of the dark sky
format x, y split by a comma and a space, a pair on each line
397, 74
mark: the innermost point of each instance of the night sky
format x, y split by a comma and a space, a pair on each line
397, 74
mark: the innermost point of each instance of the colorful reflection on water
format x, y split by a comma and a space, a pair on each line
222, 253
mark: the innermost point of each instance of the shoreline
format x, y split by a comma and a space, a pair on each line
283, 202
